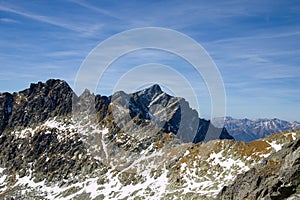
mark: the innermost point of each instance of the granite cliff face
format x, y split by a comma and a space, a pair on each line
125, 146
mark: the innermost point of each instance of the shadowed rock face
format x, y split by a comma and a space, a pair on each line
170, 114
6, 101
35, 104
54, 98
277, 177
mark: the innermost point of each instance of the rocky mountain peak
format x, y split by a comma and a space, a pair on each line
37, 103
41, 88
86, 93
154, 89
166, 113
149, 93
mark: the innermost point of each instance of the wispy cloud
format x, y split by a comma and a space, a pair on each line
86, 30
278, 72
94, 8
257, 37
66, 53
9, 20
10, 76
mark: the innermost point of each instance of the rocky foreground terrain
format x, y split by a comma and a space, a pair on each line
145, 145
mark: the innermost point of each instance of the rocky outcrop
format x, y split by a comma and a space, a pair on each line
35, 104
277, 177
6, 104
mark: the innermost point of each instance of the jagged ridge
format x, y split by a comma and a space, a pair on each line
54, 98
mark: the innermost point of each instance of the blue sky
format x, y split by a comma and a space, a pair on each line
255, 45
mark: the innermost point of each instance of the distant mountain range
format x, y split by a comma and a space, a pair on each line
247, 130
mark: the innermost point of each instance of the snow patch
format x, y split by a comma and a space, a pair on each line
66, 130
2, 179
103, 133
294, 135
186, 153
183, 166
275, 146
92, 188
3, 186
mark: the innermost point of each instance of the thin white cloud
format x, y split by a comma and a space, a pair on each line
257, 37
94, 8
9, 20
86, 30
11, 76
65, 53
272, 72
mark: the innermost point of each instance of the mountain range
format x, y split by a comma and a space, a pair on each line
144, 145
247, 130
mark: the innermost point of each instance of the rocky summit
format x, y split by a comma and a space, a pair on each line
144, 145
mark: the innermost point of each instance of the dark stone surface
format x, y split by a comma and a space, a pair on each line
6, 101
277, 177
177, 117
48, 158
35, 104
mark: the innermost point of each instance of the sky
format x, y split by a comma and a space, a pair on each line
255, 45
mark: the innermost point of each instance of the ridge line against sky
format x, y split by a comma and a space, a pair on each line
254, 44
